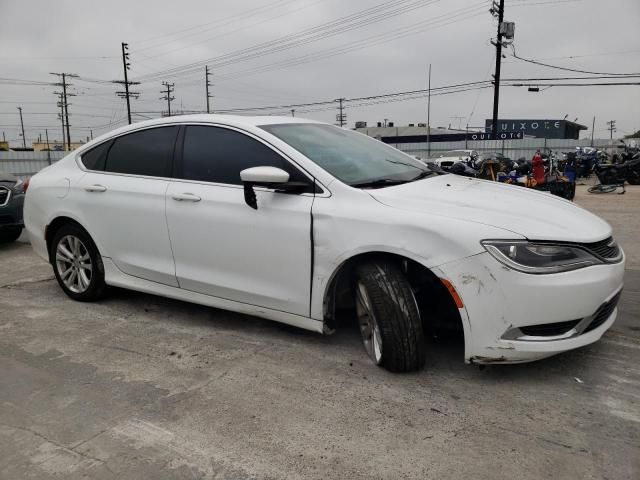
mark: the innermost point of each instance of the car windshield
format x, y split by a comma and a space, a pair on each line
353, 158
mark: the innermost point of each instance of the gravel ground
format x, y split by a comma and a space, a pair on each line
139, 386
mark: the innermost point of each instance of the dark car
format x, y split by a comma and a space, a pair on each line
12, 192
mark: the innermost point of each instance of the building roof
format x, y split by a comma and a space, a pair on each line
406, 131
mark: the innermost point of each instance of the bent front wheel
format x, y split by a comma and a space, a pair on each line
388, 317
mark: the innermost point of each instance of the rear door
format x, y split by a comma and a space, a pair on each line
224, 248
122, 200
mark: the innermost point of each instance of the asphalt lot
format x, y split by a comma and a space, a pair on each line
139, 386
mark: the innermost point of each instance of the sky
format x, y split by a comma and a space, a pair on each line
283, 52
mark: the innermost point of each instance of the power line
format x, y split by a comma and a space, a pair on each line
422, 26
536, 62
343, 24
246, 14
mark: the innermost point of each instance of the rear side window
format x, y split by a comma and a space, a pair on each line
218, 155
147, 152
94, 159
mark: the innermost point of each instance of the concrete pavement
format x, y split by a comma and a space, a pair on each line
139, 386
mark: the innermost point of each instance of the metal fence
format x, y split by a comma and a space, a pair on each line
511, 148
25, 164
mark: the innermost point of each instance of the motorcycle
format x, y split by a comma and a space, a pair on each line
611, 174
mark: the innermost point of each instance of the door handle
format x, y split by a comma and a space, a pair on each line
95, 188
186, 197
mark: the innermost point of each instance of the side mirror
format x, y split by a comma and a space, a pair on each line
262, 177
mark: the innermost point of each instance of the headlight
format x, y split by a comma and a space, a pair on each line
537, 258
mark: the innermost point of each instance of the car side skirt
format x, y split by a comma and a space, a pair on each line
117, 278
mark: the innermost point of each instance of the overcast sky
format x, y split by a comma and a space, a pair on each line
381, 51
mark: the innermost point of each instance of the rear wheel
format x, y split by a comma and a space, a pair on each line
77, 264
10, 234
388, 317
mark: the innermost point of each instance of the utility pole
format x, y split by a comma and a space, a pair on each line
167, 95
66, 110
293, 112
429, 115
91, 133
466, 135
24, 141
341, 118
207, 85
496, 77
60, 104
612, 128
126, 67
46, 133
593, 128
65, 102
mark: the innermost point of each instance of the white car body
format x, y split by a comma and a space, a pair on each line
279, 261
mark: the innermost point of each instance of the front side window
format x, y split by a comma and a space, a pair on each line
147, 152
353, 158
218, 155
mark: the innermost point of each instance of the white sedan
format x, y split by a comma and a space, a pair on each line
292, 219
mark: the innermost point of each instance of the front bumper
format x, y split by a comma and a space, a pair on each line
11, 212
511, 317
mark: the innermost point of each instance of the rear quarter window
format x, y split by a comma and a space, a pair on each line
94, 159
146, 152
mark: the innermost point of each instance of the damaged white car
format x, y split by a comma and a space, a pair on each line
293, 220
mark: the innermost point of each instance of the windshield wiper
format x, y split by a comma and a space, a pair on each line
380, 182
387, 182
423, 174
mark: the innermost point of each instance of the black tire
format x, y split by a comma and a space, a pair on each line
396, 314
96, 286
10, 235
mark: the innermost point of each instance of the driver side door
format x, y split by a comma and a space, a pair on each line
221, 246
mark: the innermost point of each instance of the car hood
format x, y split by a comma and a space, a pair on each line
524, 211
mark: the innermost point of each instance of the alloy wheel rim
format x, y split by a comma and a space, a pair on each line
73, 263
369, 329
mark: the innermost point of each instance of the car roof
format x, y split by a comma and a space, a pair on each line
238, 120
230, 120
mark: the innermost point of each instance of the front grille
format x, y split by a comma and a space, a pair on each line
549, 329
4, 195
603, 313
607, 249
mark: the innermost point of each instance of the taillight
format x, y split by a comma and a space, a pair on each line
25, 185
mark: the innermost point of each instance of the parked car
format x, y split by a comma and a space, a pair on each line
293, 220
11, 201
447, 159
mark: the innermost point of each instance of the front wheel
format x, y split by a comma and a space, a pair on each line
389, 318
77, 264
